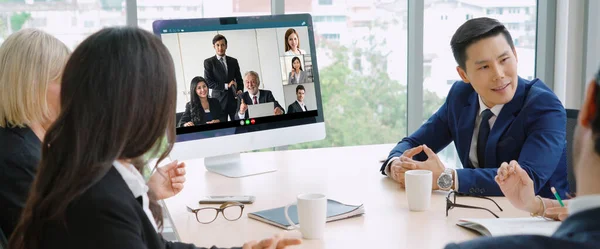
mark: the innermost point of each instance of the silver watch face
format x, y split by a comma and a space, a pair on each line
445, 181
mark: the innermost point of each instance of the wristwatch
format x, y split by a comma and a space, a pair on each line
445, 181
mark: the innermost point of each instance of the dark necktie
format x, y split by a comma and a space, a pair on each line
255, 102
482, 137
305, 108
222, 60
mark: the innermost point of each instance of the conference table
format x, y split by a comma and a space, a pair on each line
346, 174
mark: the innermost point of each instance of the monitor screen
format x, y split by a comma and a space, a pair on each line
242, 74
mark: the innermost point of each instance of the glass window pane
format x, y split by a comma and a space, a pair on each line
361, 53
439, 66
151, 10
70, 21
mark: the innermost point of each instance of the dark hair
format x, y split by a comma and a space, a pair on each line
473, 31
196, 106
219, 37
115, 78
300, 87
296, 59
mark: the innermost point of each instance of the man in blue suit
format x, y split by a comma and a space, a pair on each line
581, 229
492, 116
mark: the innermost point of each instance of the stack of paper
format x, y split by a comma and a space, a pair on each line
510, 226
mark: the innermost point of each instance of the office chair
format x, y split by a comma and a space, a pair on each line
571, 123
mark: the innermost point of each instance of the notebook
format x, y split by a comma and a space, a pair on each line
510, 226
335, 211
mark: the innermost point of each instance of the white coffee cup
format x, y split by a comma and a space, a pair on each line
418, 189
312, 215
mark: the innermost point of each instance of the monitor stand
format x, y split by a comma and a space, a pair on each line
237, 165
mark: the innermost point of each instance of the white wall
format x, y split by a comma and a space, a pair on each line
310, 99
253, 48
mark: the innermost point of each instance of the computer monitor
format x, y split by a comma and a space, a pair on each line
213, 124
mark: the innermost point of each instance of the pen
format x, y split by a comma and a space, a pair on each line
557, 196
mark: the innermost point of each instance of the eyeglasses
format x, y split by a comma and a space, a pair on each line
452, 204
230, 210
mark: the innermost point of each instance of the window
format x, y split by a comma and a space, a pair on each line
325, 2
200, 9
361, 49
60, 20
331, 36
441, 68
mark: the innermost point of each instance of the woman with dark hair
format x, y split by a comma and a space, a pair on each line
201, 109
88, 191
297, 75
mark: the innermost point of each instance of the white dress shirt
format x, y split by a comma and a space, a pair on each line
583, 203
136, 183
243, 116
473, 150
302, 106
289, 52
226, 69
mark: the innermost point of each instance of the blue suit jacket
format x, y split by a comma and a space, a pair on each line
531, 129
581, 231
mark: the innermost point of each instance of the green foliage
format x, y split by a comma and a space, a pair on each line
18, 19
362, 104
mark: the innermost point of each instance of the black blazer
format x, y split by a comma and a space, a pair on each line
20, 154
295, 107
215, 76
215, 111
106, 216
581, 231
265, 96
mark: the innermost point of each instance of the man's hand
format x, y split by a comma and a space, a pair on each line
231, 84
168, 180
517, 187
239, 92
433, 164
396, 170
278, 111
243, 108
276, 242
188, 124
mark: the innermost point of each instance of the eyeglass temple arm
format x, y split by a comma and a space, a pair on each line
473, 207
482, 197
189, 209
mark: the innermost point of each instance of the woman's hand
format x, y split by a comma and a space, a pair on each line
213, 121
188, 124
168, 180
275, 242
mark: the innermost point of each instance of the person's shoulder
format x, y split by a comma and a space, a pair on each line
212, 101
209, 59
539, 96
518, 241
110, 193
15, 140
536, 88
264, 91
460, 92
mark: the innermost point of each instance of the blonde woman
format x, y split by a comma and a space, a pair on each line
31, 65
292, 43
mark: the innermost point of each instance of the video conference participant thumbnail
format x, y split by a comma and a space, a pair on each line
201, 109
254, 96
298, 105
223, 76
